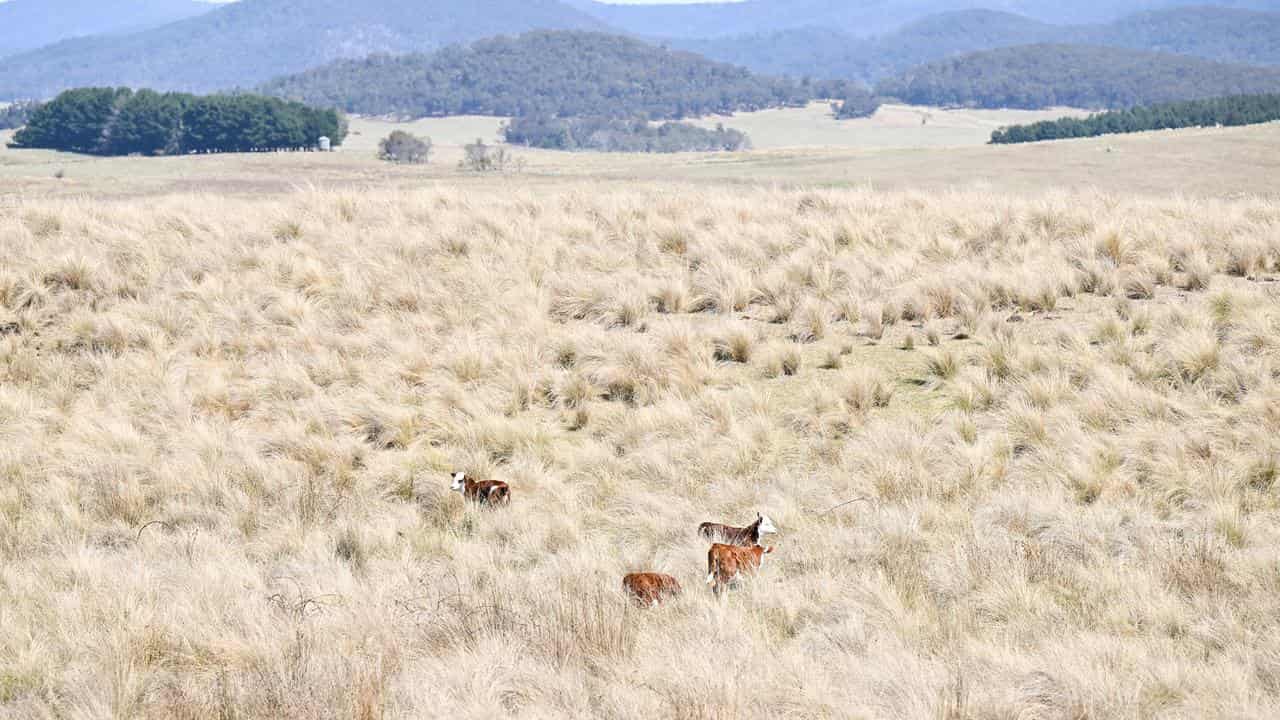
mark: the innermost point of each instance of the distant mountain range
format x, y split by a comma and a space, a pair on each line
856, 17
245, 43
1223, 34
251, 41
1084, 76
29, 24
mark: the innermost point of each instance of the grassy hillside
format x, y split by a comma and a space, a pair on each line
562, 73
251, 41
1036, 76
227, 426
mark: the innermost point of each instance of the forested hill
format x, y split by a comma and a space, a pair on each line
252, 41
1038, 76
557, 73
1213, 33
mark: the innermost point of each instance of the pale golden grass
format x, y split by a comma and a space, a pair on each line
225, 427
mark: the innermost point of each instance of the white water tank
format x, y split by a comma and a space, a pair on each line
324, 144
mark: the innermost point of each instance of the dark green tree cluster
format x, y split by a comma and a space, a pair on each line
119, 121
1230, 111
557, 73
1086, 76
856, 103
17, 114
618, 135
405, 148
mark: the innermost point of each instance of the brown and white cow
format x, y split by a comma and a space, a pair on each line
650, 588
725, 563
481, 492
740, 536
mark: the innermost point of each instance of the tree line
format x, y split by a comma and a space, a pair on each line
620, 135
1085, 76
120, 121
1229, 111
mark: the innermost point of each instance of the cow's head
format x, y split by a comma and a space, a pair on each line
766, 525
459, 482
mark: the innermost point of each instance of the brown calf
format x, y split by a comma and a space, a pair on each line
740, 536
726, 562
650, 588
481, 492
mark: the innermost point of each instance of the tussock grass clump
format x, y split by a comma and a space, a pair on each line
735, 343
942, 364
782, 360
225, 448
865, 390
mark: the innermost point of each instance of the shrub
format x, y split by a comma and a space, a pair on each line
405, 148
480, 157
857, 102
618, 135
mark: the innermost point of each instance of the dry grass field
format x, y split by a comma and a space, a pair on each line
226, 425
892, 126
1206, 163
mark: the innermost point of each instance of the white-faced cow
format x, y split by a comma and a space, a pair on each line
740, 536
481, 492
650, 588
725, 563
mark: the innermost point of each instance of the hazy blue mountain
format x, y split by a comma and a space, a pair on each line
29, 24
245, 43
1223, 34
1088, 76
856, 17
826, 53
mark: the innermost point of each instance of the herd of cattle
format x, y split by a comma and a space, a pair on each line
735, 551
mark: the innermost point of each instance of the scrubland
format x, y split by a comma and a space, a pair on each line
226, 427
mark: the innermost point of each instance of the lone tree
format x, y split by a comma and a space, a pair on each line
480, 157
403, 147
